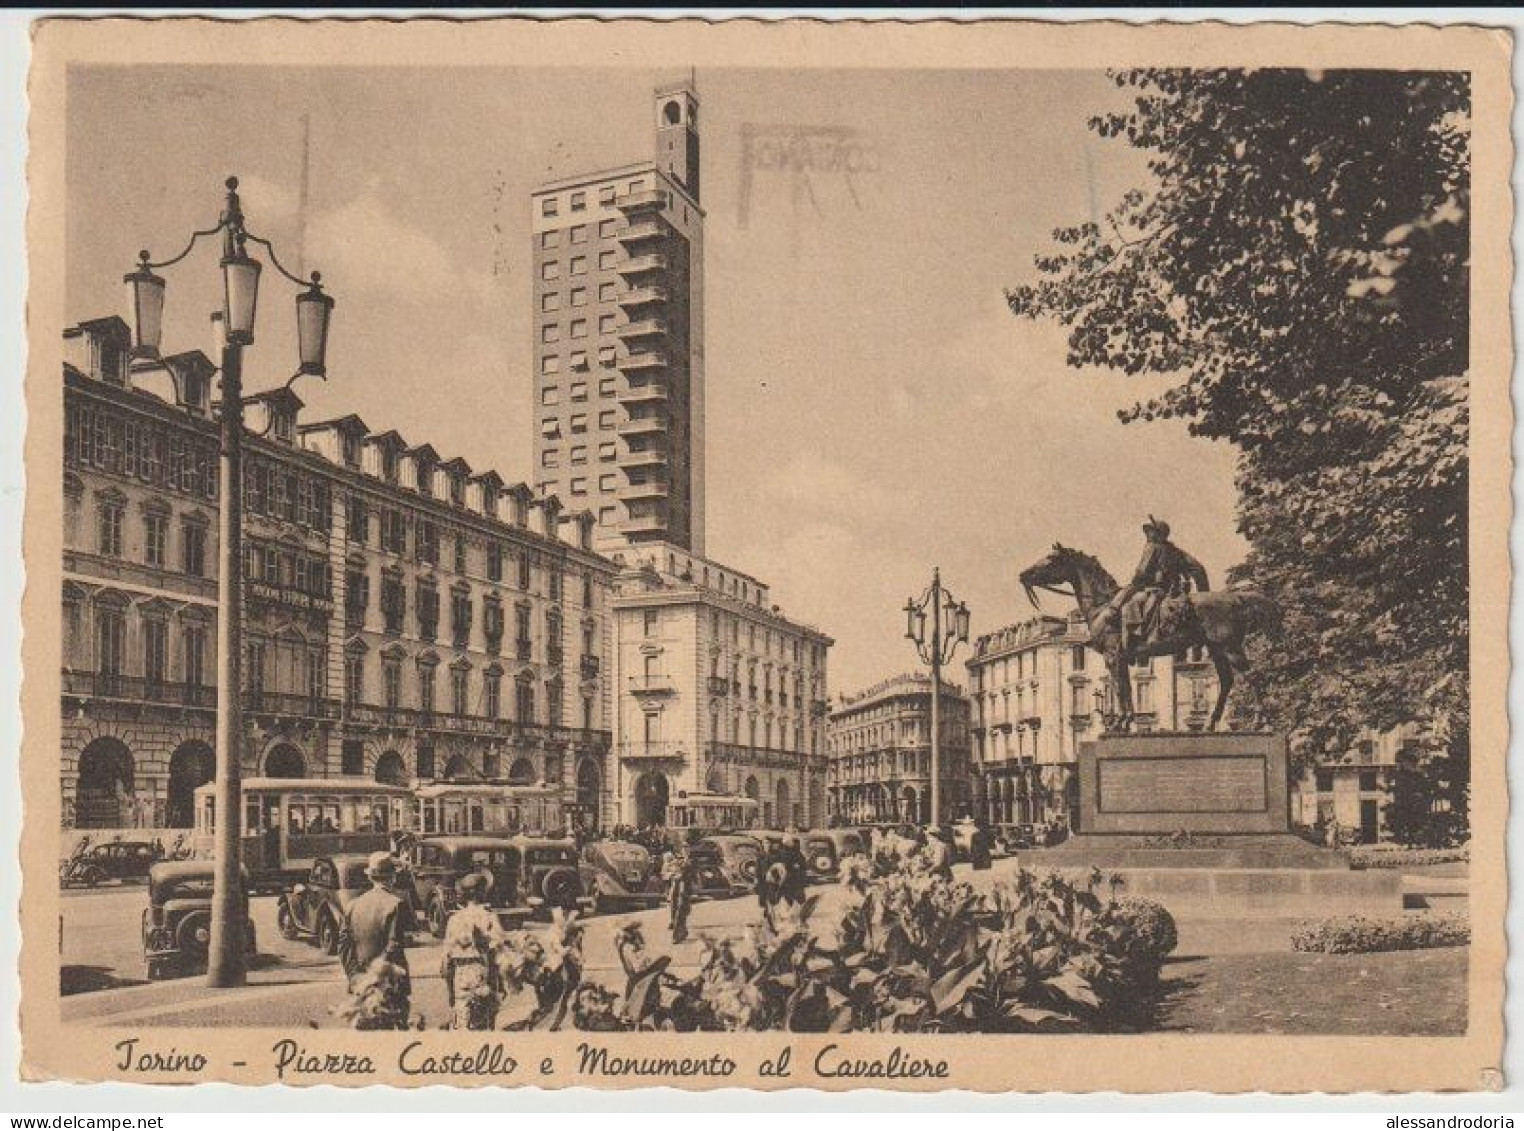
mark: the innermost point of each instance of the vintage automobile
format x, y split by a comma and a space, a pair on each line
710, 879
177, 923
115, 860
437, 863
620, 874
548, 875
738, 855
1014, 838
314, 907
822, 855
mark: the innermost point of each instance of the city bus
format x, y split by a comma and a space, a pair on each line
288, 822
486, 807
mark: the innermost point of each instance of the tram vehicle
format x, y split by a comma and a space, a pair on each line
288, 823
711, 812
455, 808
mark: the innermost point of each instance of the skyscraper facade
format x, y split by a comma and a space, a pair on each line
618, 350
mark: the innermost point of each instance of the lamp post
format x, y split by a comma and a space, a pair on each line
235, 330
948, 623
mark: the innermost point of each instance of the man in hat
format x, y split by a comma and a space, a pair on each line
376, 924
1164, 571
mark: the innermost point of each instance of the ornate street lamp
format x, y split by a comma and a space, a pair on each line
949, 627
234, 329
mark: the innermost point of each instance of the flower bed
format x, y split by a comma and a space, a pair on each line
1372, 856
1357, 935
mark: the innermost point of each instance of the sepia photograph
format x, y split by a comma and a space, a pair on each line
1004, 536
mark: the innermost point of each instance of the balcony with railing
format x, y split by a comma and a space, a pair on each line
636, 750
736, 754
719, 685
639, 265
554, 655
646, 490
590, 667
643, 426
643, 328
654, 523
638, 297
646, 393
138, 689
523, 649
643, 361
640, 231
634, 203
289, 705
645, 457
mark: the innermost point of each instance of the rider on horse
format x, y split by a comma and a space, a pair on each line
1166, 572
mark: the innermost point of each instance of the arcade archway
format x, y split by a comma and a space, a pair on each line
191, 765
285, 761
589, 791
651, 795
391, 769
103, 796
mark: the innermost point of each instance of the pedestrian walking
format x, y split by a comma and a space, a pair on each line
940, 847
795, 870
981, 848
376, 926
468, 963
677, 874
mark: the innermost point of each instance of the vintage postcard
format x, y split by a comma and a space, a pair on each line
955, 556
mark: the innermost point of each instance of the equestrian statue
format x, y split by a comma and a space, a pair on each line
1167, 608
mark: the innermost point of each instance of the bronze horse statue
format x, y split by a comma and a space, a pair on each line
1217, 621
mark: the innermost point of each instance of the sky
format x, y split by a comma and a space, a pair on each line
872, 407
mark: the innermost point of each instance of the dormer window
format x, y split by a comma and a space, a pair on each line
389, 465
113, 361
285, 425
349, 445
457, 490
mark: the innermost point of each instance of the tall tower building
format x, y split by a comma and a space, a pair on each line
619, 338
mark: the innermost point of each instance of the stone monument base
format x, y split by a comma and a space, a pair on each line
1200, 822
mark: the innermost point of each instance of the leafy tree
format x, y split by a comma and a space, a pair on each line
1300, 265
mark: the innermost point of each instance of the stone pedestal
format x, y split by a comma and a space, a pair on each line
1199, 784
1201, 823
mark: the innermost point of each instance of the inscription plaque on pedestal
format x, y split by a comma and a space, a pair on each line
1146, 784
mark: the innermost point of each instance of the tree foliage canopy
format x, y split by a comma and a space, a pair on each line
1300, 265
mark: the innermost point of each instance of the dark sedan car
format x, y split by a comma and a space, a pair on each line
738, 854
548, 875
118, 860
177, 923
620, 874
710, 877
437, 863
314, 907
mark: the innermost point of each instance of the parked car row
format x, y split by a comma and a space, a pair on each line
530, 878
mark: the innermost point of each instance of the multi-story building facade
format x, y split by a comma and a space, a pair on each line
879, 743
721, 699
405, 617
1038, 692
618, 351
1353, 789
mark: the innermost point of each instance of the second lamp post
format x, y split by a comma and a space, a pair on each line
936, 624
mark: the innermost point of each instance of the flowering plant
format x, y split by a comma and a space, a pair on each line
378, 998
